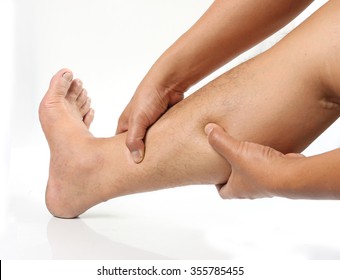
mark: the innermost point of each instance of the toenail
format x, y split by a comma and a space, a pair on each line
67, 76
79, 83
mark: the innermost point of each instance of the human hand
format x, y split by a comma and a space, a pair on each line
256, 171
146, 106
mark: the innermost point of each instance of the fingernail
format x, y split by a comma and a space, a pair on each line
208, 128
136, 156
67, 76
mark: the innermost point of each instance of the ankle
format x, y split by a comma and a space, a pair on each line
70, 172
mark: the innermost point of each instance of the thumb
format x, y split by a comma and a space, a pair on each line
222, 142
134, 142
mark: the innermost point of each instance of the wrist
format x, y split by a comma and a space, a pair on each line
176, 69
291, 180
307, 178
160, 83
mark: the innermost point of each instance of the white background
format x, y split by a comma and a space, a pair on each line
110, 45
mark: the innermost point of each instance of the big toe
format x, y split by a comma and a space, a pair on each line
61, 82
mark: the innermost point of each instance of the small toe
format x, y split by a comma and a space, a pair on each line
82, 98
86, 107
74, 90
88, 118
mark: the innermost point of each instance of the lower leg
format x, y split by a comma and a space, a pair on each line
275, 99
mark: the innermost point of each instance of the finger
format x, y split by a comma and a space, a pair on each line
234, 193
222, 142
123, 123
121, 127
228, 191
134, 141
174, 99
294, 155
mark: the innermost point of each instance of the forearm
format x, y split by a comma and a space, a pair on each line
315, 177
227, 29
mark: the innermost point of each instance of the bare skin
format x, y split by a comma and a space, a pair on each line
225, 30
283, 98
259, 171
256, 170
77, 102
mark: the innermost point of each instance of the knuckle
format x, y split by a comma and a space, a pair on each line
122, 120
130, 142
222, 192
134, 143
229, 193
136, 117
222, 195
122, 125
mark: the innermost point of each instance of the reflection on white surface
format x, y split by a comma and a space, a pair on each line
287, 235
73, 239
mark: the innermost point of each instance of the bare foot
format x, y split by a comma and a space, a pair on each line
65, 116
75, 99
